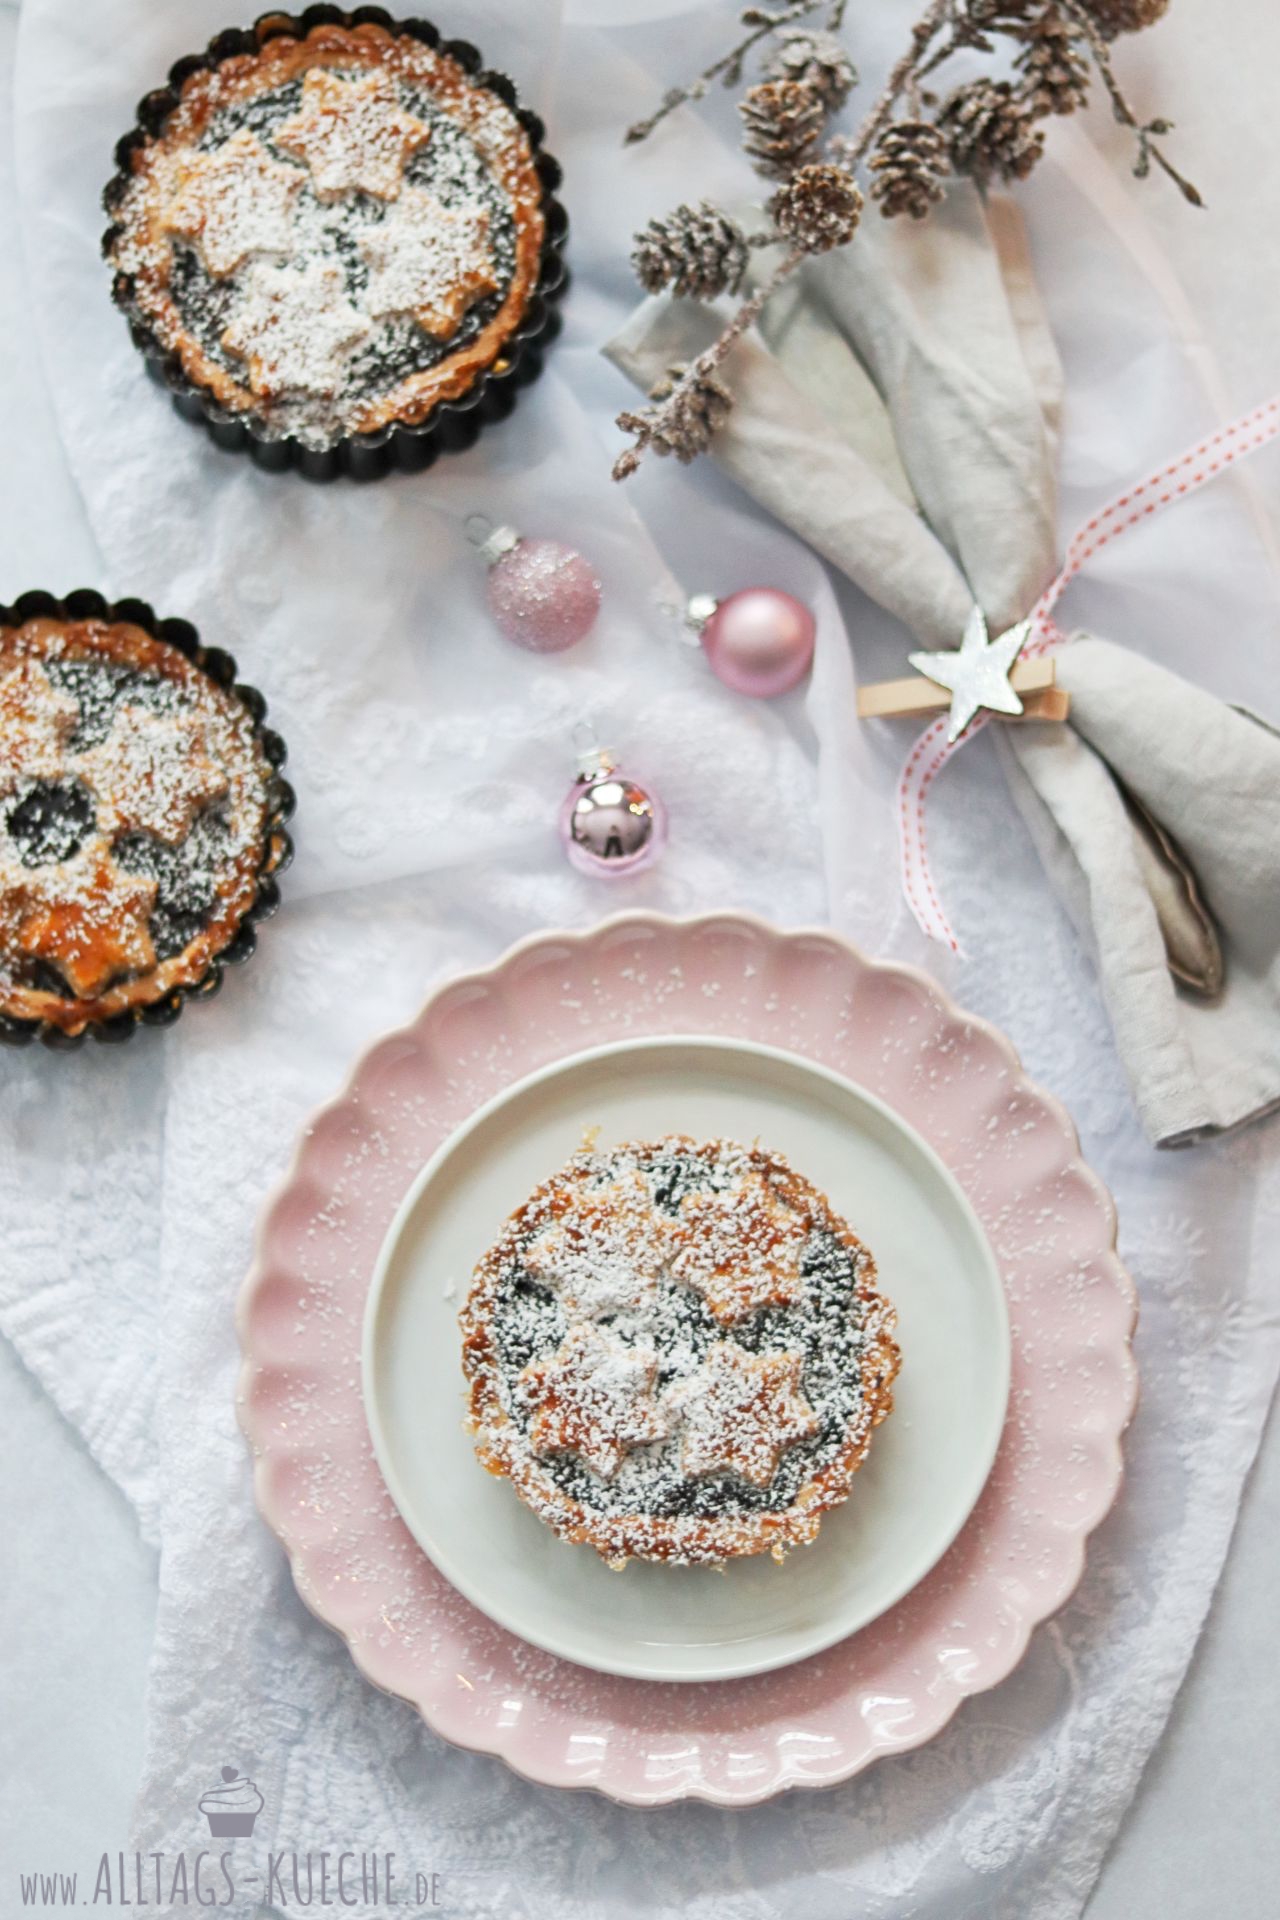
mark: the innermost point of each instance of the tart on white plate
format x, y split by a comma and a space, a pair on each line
677, 1351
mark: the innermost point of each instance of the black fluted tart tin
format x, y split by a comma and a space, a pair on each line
85, 603
453, 425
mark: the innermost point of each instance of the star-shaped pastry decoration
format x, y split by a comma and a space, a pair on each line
152, 774
353, 133
87, 917
977, 674
428, 260
605, 1247
36, 720
235, 201
741, 1411
294, 327
593, 1397
740, 1248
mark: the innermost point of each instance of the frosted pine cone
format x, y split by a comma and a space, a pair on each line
817, 60
1054, 69
1001, 16
1113, 17
908, 168
991, 132
818, 208
781, 121
696, 410
696, 251
681, 421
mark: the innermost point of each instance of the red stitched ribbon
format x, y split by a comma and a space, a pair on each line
931, 752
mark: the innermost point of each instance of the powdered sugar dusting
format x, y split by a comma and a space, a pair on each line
676, 1352
132, 805
427, 260
294, 325
352, 133
603, 1248
234, 203
593, 1397
740, 1411
318, 243
154, 771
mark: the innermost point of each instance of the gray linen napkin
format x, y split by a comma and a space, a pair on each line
899, 410
1211, 776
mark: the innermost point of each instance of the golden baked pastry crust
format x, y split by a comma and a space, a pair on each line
142, 242
175, 744
584, 1349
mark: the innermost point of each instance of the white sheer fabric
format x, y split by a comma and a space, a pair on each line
430, 759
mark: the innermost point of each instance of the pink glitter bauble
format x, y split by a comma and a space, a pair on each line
759, 641
543, 596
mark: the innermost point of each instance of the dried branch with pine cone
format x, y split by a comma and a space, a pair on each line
911, 143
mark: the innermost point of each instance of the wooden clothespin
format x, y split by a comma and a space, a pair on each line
1034, 681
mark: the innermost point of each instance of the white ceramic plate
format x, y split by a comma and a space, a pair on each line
927, 1464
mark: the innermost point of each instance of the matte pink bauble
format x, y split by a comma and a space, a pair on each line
759, 641
543, 596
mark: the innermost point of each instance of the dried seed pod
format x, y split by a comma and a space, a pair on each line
1114, 17
1054, 66
819, 207
781, 121
698, 252
817, 60
908, 168
990, 132
685, 414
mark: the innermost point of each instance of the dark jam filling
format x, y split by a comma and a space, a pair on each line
50, 820
186, 878
450, 166
98, 687
529, 1324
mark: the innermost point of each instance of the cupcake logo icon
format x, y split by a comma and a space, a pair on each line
231, 1806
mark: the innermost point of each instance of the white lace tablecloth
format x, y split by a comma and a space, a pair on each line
429, 760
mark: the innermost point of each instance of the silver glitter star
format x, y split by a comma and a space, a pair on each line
977, 674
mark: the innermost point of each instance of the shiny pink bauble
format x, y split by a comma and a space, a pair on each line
611, 826
760, 641
543, 596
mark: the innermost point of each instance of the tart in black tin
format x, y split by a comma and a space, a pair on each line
142, 817
336, 241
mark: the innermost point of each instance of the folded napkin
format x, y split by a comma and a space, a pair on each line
1211, 777
899, 410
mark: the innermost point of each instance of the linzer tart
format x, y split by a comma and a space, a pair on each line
677, 1351
141, 818
336, 241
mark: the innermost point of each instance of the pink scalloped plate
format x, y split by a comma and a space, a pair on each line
1072, 1309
